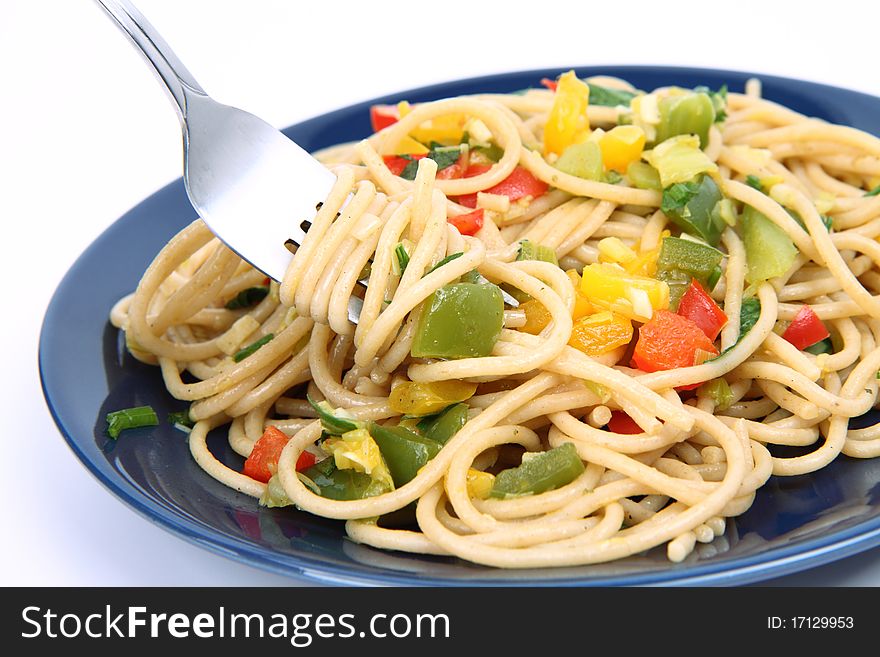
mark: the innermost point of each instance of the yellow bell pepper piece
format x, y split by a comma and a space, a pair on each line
356, 450
582, 305
567, 123
611, 287
622, 145
413, 398
409, 146
479, 483
537, 316
600, 333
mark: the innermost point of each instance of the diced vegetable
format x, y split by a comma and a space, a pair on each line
537, 316
583, 160
874, 192
468, 223
409, 146
620, 422
539, 473
806, 329
686, 114
334, 421
528, 250
669, 341
444, 425
582, 305
567, 123
679, 159
181, 418
462, 320
479, 483
248, 297
130, 418
682, 260
718, 390
415, 398
404, 451
719, 100
251, 348
382, 116
337, 484
643, 176
610, 287
622, 146
263, 460
518, 185
691, 206
402, 258
445, 261
825, 346
356, 450
598, 334
275, 496
769, 250
697, 306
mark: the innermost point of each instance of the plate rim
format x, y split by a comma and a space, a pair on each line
774, 562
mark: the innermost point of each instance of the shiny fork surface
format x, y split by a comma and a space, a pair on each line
251, 184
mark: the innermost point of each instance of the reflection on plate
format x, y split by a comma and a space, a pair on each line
795, 523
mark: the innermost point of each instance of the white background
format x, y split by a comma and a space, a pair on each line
87, 133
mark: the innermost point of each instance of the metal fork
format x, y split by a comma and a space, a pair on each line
250, 183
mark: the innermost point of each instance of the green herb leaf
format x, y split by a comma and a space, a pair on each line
249, 297
251, 348
130, 418
748, 315
677, 196
607, 97
447, 259
444, 156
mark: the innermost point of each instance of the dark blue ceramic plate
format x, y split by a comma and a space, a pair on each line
794, 524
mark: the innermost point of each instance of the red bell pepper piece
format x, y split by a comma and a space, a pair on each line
806, 329
457, 170
397, 163
620, 422
468, 224
267, 450
382, 116
550, 84
519, 184
668, 341
701, 309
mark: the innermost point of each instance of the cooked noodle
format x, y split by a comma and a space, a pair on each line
692, 466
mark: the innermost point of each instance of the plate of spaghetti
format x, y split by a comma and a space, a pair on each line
616, 325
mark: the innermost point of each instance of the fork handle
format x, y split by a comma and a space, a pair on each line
175, 76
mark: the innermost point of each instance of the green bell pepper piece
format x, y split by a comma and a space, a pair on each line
542, 472
444, 425
330, 422
681, 260
686, 114
336, 484
769, 250
691, 206
462, 320
404, 451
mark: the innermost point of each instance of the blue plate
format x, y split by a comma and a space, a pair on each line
795, 523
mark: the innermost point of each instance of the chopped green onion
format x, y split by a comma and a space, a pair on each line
718, 390
753, 181
251, 348
402, 257
874, 192
248, 297
181, 418
528, 250
447, 259
130, 418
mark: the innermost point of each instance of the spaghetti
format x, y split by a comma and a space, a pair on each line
692, 292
